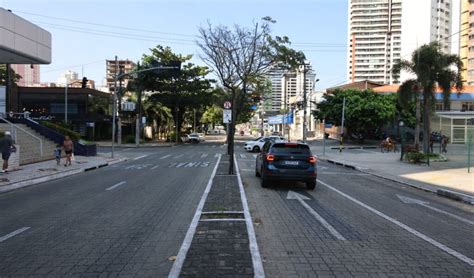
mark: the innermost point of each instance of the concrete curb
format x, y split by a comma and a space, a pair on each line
141, 146
25, 183
440, 192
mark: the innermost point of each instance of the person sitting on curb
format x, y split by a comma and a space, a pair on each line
68, 146
7, 147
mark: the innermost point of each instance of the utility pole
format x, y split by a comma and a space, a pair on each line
304, 103
342, 123
114, 106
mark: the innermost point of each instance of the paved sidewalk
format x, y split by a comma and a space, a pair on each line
35, 173
448, 178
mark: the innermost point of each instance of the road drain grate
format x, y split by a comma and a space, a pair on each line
222, 215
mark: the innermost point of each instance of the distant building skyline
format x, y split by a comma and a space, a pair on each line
30, 74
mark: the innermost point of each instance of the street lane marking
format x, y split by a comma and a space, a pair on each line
116, 185
166, 156
344, 174
216, 155
256, 258
188, 239
14, 233
204, 155
254, 156
154, 167
408, 200
295, 196
242, 155
221, 219
137, 158
178, 156
247, 170
405, 227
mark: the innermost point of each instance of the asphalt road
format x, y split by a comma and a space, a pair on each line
130, 219
127, 219
357, 225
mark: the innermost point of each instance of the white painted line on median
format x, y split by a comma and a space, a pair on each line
116, 185
140, 157
256, 258
221, 220
188, 239
14, 233
165, 156
424, 237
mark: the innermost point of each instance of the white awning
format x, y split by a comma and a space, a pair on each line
456, 115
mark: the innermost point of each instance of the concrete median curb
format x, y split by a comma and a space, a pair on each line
457, 196
33, 181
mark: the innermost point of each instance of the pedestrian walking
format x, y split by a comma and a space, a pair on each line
57, 154
7, 147
444, 144
68, 146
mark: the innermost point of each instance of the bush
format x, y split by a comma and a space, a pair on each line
63, 130
415, 157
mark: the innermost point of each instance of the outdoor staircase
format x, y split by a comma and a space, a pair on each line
30, 150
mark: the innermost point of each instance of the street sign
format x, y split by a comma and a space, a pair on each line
227, 105
227, 117
143, 120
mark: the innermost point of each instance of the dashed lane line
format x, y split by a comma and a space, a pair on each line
178, 156
116, 185
140, 157
154, 167
14, 233
204, 155
165, 156
424, 237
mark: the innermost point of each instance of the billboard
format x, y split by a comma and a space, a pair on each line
281, 119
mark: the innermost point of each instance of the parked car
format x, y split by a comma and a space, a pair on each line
257, 144
193, 138
201, 136
286, 162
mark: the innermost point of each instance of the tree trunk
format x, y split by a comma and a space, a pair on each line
417, 123
426, 125
230, 135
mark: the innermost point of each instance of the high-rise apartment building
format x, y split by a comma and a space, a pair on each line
67, 77
30, 74
112, 68
292, 87
466, 37
275, 76
381, 32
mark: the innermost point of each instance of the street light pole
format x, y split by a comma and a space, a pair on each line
65, 101
304, 103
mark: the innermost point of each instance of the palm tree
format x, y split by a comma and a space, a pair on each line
431, 68
157, 114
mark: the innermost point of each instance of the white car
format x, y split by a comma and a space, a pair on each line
257, 144
193, 138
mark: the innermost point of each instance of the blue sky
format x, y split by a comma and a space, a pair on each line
318, 27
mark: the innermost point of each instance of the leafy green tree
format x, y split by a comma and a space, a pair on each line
212, 116
431, 67
3, 75
365, 113
181, 91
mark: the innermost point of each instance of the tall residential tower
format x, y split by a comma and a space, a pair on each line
381, 32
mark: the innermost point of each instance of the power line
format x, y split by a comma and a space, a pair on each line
74, 66
105, 25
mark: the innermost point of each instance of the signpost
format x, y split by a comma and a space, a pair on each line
227, 105
227, 117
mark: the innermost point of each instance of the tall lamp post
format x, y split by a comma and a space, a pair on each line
401, 124
114, 106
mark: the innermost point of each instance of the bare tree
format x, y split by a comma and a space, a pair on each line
239, 56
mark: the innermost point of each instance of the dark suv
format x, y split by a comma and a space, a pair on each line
288, 162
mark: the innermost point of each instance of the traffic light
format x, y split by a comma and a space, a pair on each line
84, 82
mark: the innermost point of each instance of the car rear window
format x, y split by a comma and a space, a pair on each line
290, 148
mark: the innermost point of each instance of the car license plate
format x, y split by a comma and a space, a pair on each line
291, 162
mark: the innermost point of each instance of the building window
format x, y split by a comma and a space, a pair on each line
467, 106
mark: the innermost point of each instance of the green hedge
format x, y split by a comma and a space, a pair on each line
72, 134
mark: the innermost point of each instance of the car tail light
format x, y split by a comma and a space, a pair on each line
312, 159
270, 157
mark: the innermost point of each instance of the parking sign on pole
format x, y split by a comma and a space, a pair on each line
227, 116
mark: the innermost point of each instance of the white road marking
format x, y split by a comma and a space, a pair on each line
154, 167
247, 170
295, 196
14, 233
142, 156
181, 164
116, 185
254, 156
242, 155
256, 258
424, 237
344, 174
178, 156
178, 263
408, 200
221, 219
190, 164
166, 156
216, 155
204, 155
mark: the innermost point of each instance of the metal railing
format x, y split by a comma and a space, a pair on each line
14, 128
